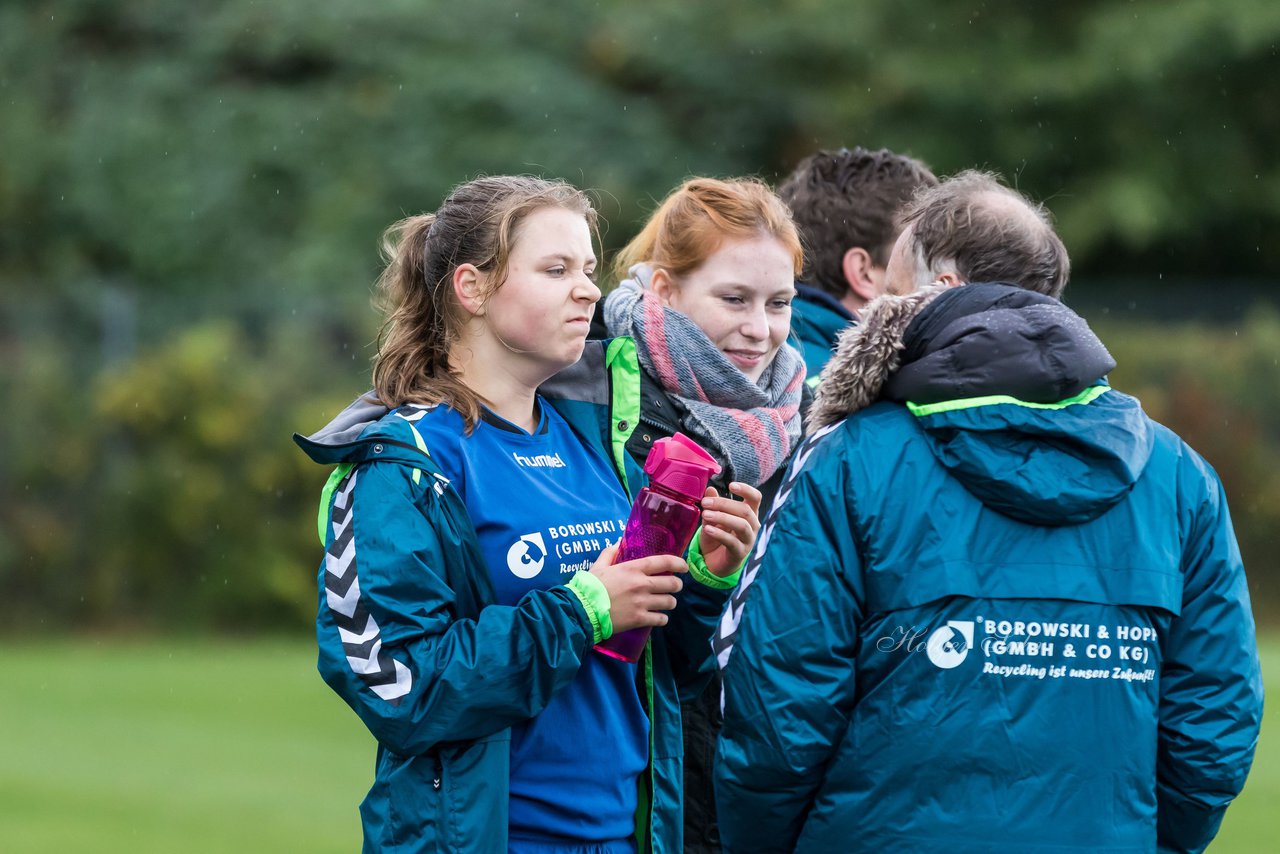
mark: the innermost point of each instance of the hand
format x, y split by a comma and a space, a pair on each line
639, 590
729, 527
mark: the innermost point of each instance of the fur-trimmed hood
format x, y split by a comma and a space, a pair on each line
866, 354
1008, 388
942, 343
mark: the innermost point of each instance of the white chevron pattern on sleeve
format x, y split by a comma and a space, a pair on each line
357, 630
727, 631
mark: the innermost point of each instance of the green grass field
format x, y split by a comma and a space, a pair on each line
181, 746
176, 746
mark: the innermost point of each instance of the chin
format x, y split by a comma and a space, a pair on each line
756, 373
568, 355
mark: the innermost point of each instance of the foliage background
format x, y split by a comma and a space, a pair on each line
191, 196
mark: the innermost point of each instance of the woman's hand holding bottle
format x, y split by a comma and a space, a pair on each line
640, 591
729, 527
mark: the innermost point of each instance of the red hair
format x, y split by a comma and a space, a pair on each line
699, 215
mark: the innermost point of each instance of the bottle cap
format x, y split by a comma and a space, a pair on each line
681, 465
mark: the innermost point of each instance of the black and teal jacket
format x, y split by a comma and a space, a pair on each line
997, 609
411, 638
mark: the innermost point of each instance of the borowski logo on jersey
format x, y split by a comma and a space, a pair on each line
541, 461
527, 555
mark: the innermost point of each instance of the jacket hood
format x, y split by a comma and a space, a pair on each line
1009, 388
350, 435
865, 356
1053, 464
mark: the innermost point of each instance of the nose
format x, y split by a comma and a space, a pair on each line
586, 289
755, 326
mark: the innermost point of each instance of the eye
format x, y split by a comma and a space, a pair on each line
733, 299
590, 273
556, 271
780, 304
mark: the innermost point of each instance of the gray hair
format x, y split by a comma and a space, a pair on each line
974, 226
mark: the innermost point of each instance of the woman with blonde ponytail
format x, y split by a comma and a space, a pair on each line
468, 568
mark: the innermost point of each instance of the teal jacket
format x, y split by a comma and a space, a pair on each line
988, 624
817, 319
410, 637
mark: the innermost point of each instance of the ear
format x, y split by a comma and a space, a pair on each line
857, 266
950, 278
662, 285
467, 284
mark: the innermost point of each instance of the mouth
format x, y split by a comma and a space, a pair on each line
746, 358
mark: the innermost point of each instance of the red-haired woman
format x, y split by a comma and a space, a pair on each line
706, 292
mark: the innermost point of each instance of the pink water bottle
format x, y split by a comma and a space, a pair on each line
663, 519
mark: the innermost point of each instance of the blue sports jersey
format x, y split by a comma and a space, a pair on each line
544, 505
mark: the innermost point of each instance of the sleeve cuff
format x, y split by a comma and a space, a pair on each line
594, 597
698, 568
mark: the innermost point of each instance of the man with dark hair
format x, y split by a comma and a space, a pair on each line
845, 203
972, 228
995, 606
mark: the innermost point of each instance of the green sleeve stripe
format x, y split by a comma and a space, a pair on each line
812, 382
1089, 395
418, 440
422, 446
594, 597
646, 799
326, 497
624, 370
698, 568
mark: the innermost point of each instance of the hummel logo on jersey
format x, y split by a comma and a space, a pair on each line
541, 461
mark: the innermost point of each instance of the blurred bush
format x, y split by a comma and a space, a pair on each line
166, 493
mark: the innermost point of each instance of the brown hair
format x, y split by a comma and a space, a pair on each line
701, 214
846, 199
477, 224
989, 232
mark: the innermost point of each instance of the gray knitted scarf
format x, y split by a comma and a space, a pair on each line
750, 427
